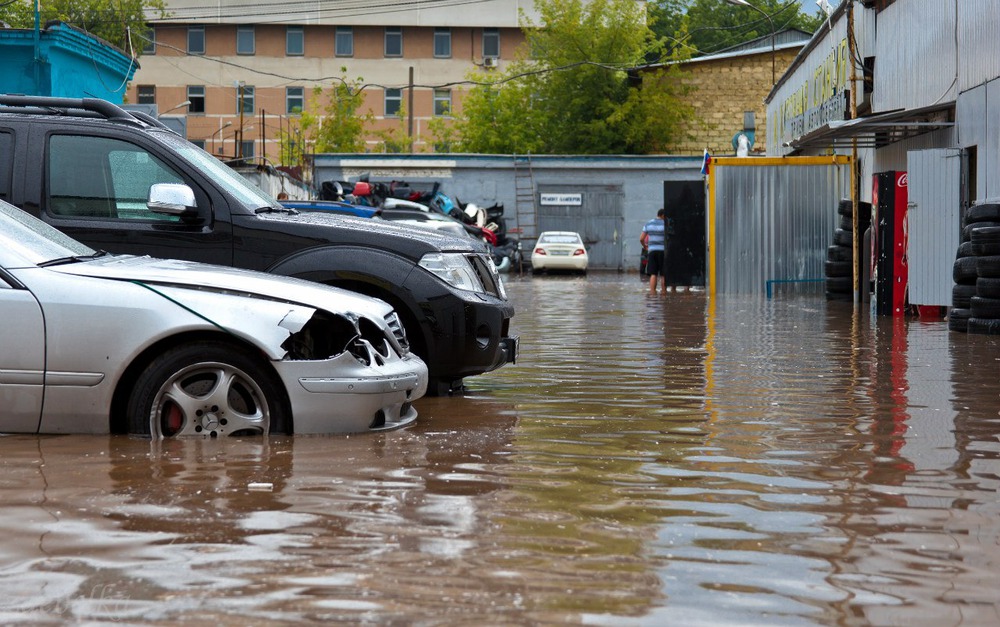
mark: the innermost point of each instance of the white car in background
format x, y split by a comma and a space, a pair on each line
99, 343
559, 250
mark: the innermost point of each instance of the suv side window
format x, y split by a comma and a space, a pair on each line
100, 177
6, 164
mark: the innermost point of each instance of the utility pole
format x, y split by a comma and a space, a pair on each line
239, 141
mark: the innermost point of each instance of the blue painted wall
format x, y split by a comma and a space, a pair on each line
72, 64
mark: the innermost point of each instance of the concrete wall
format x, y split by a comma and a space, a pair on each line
485, 179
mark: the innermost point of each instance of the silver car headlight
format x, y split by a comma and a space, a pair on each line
454, 269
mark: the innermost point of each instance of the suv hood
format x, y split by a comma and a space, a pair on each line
205, 276
369, 232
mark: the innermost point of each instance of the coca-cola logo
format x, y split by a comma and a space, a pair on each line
902, 181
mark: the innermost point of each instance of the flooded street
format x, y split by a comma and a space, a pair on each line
648, 461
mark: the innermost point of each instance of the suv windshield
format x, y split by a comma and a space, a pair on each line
35, 241
249, 196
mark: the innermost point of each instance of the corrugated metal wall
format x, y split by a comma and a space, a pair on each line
772, 220
978, 42
916, 60
933, 218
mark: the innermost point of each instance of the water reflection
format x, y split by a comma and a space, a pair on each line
650, 461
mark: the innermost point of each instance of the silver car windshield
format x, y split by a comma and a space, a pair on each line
29, 239
250, 196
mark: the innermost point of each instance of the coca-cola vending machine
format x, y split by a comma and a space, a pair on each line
889, 273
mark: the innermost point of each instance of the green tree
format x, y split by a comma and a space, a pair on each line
331, 123
708, 26
576, 94
121, 23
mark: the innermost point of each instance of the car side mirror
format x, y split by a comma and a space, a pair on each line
172, 199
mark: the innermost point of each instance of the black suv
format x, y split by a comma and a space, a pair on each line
123, 182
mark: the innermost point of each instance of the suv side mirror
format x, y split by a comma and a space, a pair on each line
172, 199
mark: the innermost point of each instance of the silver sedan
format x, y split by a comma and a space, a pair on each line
98, 343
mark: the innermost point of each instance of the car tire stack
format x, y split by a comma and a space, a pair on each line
975, 297
840, 256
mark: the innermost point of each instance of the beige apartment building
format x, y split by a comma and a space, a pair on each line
242, 71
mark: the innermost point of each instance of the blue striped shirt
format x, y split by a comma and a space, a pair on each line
656, 230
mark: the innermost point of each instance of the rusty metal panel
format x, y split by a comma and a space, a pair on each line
916, 39
933, 218
978, 43
772, 221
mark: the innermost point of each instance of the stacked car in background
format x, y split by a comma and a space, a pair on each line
976, 293
839, 256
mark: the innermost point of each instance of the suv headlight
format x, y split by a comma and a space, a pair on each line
454, 269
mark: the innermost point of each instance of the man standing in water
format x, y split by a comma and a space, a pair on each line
654, 238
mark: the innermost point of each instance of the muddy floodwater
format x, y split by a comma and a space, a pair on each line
648, 461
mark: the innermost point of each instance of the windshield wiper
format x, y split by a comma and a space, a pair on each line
72, 259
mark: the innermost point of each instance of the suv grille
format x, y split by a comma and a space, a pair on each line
488, 274
398, 332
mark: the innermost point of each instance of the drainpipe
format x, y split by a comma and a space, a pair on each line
38, 51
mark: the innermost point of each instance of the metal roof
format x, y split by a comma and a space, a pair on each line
878, 130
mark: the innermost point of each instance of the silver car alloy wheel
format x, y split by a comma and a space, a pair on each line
209, 399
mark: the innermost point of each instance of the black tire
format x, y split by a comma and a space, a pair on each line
969, 227
958, 320
838, 268
988, 266
985, 212
843, 237
845, 207
839, 253
984, 307
985, 249
840, 285
847, 223
254, 403
965, 250
984, 326
961, 295
964, 271
985, 234
988, 287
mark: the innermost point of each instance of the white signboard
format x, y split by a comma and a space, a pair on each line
562, 199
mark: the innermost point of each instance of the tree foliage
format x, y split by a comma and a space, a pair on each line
708, 26
576, 93
331, 122
121, 23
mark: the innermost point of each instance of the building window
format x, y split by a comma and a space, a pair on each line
442, 102
294, 100
344, 42
200, 143
149, 42
295, 41
247, 148
393, 101
145, 94
196, 96
442, 43
245, 93
196, 40
245, 40
491, 42
394, 41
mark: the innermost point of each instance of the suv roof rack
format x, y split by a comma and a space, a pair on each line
66, 106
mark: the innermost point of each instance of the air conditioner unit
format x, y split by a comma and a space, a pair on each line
490, 62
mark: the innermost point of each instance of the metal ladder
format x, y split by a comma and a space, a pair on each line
524, 198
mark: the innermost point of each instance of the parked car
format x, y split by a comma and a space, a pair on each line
332, 206
559, 250
122, 182
98, 343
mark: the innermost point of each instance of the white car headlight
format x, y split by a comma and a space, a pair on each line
454, 269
